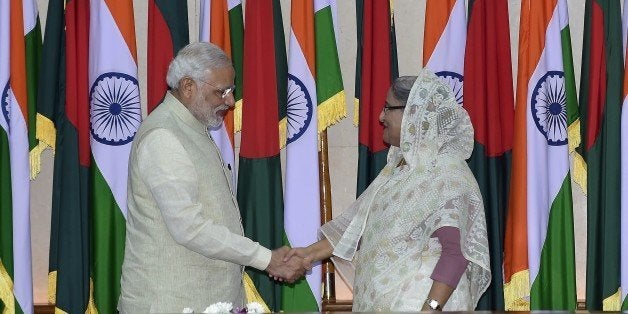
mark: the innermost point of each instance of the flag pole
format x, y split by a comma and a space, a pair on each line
329, 291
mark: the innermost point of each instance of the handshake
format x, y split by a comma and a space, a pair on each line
289, 264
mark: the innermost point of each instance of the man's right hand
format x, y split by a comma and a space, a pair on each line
289, 270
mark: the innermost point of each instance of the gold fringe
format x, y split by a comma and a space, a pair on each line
356, 112
331, 111
52, 287
46, 131
91, 305
237, 116
6, 290
283, 133
60, 311
579, 166
251, 292
35, 159
46, 134
612, 303
517, 292
573, 133
580, 172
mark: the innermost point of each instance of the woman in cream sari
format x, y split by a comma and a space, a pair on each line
389, 242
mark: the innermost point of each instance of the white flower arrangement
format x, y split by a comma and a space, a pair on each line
227, 307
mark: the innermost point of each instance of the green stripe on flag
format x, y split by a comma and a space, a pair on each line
6, 212
554, 287
329, 87
33, 57
493, 177
260, 199
236, 29
299, 297
108, 235
370, 166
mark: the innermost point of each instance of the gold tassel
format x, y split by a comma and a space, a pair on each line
52, 287
573, 133
52, 291
579, 166
251, 292
46, 131
46, 134
237, 116
516, 291
580, 172
91, 305
331, 111
356, 112
283, 133
6, 290
60, 311
612, 303
35, 159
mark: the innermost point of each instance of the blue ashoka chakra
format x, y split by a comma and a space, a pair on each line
5, 105
300, 108
115, 112
454, 80
549, 107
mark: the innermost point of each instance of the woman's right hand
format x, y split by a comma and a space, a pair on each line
302, 252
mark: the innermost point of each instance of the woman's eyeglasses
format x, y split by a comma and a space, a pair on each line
388, 107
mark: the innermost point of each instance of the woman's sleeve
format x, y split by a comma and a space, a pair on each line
451, 265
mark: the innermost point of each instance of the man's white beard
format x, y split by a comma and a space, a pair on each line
214, 121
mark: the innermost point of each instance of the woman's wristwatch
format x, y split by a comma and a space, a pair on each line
433, 304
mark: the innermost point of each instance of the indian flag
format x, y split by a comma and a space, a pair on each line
221, 24
115, 116
444, 41
624, 171
539, 262
18, 20
301, 196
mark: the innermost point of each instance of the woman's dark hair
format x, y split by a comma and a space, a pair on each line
401, 87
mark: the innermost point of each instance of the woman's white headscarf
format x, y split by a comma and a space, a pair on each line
436, 138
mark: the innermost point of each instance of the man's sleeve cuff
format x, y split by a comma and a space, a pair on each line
262, 258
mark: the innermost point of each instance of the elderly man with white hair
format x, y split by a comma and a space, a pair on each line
185, 245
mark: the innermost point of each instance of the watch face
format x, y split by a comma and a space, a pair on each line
433, 304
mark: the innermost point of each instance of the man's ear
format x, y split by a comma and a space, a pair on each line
187, 86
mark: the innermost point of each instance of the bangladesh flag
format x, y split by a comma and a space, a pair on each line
167, 33
624, 171
600, 115
376, 68
489, 100
67, 37
260, 194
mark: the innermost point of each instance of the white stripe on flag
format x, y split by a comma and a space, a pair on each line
111, 73
547, 165
448, 54
205, 20
302, 203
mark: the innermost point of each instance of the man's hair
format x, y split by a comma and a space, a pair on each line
193, 60
401, 87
